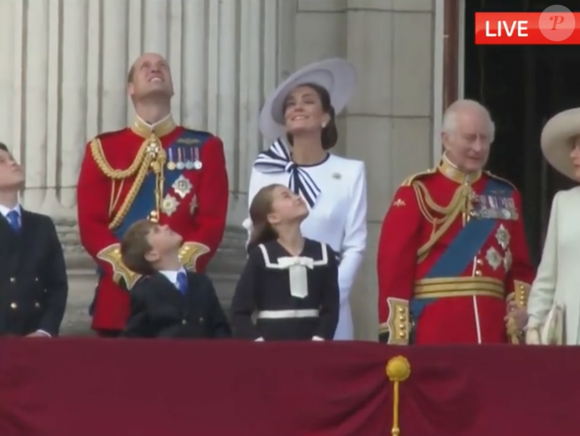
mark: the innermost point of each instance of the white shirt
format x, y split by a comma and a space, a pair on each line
5, 211
338, 218
172, 275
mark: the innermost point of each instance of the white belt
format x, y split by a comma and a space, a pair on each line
281, 314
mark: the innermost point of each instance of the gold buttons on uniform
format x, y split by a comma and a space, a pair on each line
478, 273
479, 262
36, 279
37, 305
14, 306
12, 279
201, 320
183, 322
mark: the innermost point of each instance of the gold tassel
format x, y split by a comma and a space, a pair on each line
398, 370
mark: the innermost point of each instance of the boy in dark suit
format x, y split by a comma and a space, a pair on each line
168, 301
33, 280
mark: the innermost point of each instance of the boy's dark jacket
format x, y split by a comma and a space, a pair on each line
33, 280
160, 310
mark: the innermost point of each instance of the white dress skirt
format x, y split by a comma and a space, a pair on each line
557, 281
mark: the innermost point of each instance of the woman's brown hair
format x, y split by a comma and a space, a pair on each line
260, 208
329, 133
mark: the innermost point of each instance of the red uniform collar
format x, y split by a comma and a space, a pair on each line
450, 171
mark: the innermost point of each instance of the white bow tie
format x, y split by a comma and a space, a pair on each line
290, 261
296, 266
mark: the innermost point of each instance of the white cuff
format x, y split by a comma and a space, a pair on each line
533, 323
317, 338
42, 332
259, 340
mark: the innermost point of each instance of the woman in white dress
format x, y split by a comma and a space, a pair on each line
301, 114
557, 283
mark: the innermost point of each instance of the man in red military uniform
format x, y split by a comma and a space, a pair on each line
453, 263
153, 169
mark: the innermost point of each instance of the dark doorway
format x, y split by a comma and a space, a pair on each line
523, 86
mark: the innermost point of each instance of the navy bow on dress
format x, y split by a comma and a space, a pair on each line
277, 159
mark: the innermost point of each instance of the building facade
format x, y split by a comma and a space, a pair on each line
64, 77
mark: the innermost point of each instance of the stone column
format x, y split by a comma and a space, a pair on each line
391, 44
64, 81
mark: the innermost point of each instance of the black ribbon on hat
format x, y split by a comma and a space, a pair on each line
277, 159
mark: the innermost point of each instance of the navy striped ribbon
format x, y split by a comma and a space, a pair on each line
277, 159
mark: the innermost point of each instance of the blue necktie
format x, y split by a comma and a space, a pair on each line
14, 220
182, 282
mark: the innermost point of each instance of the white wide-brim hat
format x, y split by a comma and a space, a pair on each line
336, 75
557, 139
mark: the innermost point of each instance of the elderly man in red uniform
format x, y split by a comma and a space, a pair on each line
153, 169
453, 264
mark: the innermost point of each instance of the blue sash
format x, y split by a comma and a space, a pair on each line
465, 246
184, 152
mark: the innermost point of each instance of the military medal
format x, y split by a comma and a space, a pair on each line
180, 164
196, 164
169, 205
182, 186
189, 158
170, 163
502, 236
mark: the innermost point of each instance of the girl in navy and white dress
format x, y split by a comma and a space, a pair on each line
289, 283
301, 114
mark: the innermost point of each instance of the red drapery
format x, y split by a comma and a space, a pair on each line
97, 387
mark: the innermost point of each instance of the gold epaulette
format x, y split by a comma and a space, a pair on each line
493, 176
100, 159
409, 180
138, 168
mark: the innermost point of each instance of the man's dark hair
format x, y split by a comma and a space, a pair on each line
4, 147
134, 247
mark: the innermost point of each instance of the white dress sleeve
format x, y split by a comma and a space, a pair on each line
541, 296
355, 234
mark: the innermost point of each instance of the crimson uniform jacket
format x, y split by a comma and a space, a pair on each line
166, 172
452, 250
